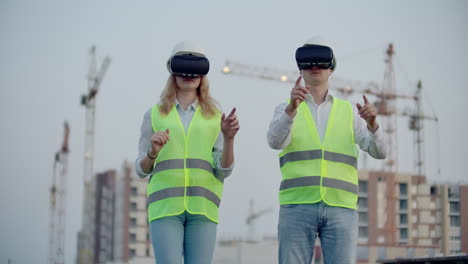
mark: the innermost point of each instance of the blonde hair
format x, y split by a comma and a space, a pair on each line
207, 103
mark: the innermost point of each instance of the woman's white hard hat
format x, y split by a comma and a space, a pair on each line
186, 47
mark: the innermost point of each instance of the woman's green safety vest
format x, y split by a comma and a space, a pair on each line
313, 171
183, 178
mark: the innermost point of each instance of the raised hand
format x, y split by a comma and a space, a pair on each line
298, 94
158, 140
230, 124
368, 113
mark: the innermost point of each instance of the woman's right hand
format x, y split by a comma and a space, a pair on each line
158, 140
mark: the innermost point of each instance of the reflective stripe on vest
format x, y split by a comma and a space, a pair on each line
315, 181
191, 164
179, 192
317, 154
314, 170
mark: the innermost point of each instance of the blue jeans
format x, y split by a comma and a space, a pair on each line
188, 235
300, 224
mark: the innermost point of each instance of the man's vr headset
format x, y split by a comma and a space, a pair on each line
315, 55
188, 65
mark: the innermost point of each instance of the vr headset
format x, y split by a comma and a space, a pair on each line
188, 66
315, 55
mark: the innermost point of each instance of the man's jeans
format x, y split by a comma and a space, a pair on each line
300, 224
192, 236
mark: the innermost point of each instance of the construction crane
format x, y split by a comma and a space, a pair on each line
86, 235
58, 195
416, 124
385, 94
344, 87
386, 107
252, 217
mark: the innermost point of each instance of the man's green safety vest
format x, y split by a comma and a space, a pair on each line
183, 178
313, 171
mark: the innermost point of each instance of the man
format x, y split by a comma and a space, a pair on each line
318, 133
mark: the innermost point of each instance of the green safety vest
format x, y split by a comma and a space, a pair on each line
312, 171
183, 178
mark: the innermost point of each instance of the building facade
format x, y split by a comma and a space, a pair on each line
402, 215
104, 235
132, 229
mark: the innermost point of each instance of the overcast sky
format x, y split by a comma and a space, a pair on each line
44, 61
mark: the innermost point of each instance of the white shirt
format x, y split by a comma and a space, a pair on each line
279, 133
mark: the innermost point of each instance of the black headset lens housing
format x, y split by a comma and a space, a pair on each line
314, 55
189, 66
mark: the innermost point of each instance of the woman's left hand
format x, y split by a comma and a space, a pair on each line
230, 124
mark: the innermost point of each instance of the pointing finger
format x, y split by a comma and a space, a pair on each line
232, 112
365, 99
298, 81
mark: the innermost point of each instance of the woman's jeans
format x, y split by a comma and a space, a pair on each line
300, 224
188, 235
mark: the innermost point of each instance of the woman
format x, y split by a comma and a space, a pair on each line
186, 146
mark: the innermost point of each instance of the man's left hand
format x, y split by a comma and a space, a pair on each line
368, 113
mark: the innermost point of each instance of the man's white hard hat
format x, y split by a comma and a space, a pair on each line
316, 40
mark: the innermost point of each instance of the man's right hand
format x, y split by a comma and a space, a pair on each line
158, 140
298, 94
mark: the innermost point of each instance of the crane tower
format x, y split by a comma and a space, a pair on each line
85, 236
58, 195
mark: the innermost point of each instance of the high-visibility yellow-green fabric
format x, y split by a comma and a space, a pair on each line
313, 171
183, 178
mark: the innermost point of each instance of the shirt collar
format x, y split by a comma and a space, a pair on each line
192, 106
328, 98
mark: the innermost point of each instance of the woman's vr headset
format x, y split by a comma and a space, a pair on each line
188, 65
315, 55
